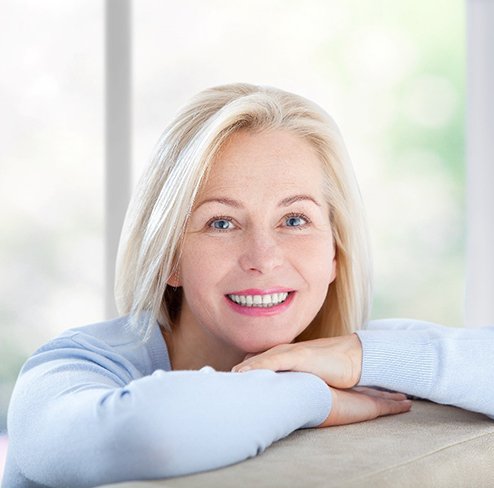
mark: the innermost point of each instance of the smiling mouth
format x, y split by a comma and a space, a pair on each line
260, 301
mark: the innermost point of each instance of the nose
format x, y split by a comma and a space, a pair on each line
261, 252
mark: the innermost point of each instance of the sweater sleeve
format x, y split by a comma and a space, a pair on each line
81, 417
447, 365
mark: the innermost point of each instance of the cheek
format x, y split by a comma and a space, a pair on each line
315, 260
202, 265
197, 280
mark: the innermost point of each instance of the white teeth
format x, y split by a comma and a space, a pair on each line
259, 300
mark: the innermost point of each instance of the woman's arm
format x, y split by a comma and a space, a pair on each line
78, 419
447, 365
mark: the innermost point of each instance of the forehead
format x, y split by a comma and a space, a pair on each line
265, 163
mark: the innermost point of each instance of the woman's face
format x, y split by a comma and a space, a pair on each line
258, 254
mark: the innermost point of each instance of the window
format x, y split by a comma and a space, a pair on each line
392, 75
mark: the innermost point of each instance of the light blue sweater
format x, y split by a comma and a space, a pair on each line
96, 405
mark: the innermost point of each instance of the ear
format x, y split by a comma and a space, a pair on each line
175, 279
333, 270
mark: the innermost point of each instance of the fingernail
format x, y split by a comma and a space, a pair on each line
244, 368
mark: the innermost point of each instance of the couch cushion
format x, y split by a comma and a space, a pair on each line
432, 445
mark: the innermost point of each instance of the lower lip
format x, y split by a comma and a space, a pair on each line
261, 311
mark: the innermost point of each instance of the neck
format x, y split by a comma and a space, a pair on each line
192, 349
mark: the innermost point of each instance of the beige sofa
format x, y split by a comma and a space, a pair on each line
431, 446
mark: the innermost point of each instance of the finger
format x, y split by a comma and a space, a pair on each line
350, 406
383, 407
391, 395
272, 362
392, 407
279, 358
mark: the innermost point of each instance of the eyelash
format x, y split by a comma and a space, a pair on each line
218, 217
229, 219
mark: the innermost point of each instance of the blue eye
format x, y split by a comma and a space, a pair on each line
220, 223
296, 221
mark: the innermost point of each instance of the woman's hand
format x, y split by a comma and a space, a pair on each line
360, 404
336, 360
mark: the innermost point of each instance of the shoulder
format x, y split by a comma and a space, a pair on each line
110, 342
421, 328
400, 324
114, 334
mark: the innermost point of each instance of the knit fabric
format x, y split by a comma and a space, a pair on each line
97, 405
453, 366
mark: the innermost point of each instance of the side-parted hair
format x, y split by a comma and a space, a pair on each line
158, 213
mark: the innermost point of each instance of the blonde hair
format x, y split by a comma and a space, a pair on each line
158, 213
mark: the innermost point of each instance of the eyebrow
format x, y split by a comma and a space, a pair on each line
286, 202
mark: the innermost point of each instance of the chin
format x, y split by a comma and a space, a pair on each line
252, 345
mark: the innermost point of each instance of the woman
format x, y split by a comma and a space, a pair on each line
244, 246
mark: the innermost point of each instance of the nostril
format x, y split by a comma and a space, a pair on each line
261, 262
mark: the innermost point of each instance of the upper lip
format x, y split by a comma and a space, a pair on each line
258, 291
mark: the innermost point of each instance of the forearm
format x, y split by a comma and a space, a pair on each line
166, 424
446, 365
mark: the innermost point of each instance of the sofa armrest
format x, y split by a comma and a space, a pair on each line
432, 445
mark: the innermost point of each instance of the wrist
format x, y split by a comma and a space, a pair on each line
356, 357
